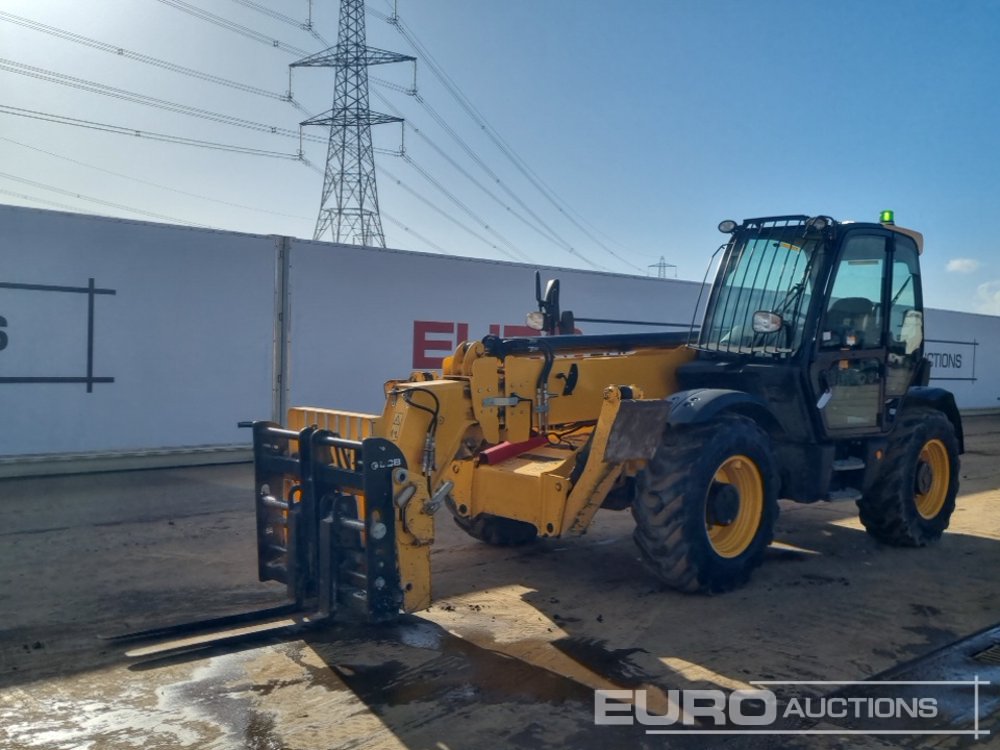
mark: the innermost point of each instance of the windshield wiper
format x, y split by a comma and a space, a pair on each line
901, 290
794, 297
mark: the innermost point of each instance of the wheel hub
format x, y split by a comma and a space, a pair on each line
932, 480
723, 504
925, 478
734, 506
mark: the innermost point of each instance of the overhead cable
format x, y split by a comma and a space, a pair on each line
539, 226
93, 87
255, 209
139, 57
514, 253
410, 230
235, 27
519, 163
145, 134
80, 196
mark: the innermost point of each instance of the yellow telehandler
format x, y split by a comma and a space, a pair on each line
806, 380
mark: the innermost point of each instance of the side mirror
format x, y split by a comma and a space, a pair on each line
767, 322
547, 318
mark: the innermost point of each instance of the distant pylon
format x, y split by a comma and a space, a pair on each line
349, 206
661, 268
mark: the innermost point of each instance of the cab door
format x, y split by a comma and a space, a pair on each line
848, 373
905, 313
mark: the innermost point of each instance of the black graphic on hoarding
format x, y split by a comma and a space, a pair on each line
92, 291
951, 363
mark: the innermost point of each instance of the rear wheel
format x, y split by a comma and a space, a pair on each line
706, 504
911, 501
498, 531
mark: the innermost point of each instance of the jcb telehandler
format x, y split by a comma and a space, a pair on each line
806, 380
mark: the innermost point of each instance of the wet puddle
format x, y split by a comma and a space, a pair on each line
450, 670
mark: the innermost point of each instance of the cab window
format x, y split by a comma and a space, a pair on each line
853, 317
905, 317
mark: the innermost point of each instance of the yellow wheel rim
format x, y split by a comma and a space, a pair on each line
933, 458
732, 539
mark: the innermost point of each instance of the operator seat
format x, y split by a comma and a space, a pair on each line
852, 315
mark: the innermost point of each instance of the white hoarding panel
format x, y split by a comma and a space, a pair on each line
362, 316
126, 336
964, 351
122, 335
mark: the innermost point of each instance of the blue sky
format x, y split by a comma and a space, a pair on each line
649, 120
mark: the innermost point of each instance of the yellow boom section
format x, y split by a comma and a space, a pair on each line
445, 428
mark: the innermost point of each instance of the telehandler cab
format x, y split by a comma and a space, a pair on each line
806, 380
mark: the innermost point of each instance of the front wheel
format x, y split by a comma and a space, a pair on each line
913, 497
706, 504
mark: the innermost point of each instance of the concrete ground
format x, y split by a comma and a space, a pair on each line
509, 654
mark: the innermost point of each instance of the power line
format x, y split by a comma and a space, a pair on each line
306, 25
541, 228
93, 87
458, 167
255, 209
423, 199
446, 81
463, 101
391, 219
393, 86
139, 57
427, 202
144, 134
43, 201
120, 206
405, 228
442, 122
278, 16
249, 33
547, 230
309, 23
514, 255
319, 170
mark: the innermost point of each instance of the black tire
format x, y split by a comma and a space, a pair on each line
671, 505
893, 510
500, 532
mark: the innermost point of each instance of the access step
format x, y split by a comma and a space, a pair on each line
848, 464
848, 493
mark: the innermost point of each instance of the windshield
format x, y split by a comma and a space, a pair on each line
767, 267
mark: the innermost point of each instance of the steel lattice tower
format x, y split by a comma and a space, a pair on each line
349, 206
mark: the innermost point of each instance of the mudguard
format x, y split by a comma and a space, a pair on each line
941, 400
702, 404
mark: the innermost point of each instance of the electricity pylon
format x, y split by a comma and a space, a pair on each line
349, 206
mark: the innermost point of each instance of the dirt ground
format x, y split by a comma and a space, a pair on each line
508, 656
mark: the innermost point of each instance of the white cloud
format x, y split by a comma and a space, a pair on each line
963, 265
988, 298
